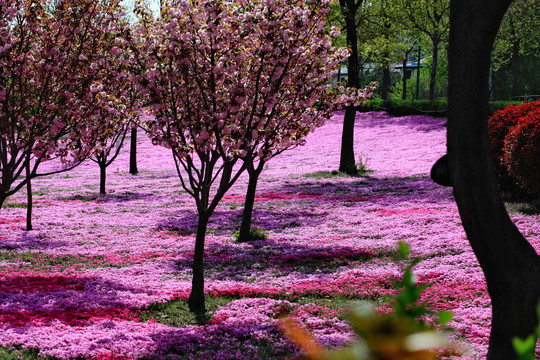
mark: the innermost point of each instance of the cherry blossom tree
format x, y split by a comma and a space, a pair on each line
54, 59
232, 83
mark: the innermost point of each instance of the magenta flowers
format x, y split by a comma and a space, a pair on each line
75, 286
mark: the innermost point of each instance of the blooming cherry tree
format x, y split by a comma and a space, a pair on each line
232, 84
55, 58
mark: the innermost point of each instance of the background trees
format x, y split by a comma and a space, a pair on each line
54, 57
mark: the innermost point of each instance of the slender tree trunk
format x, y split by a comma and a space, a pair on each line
386, 80
196, 301
433, 76
346, 161
2, 199
29, 203
404, 79
515, 70
102, 177
510, 264
133, 153
247, 214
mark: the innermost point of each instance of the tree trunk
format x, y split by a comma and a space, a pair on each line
245, 227
346, 161
510, 264
515, 70
386, 80
433, 75
29, 203
404, 78
133, 153
196, 297
102, 177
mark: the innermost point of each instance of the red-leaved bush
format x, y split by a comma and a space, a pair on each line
522, 151
509, 157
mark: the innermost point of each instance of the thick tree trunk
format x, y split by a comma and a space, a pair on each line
29, 202
102, 178
196, 301
515, 70
346, 162
133, 153
433, 75
2, 199
510, 264
247, 214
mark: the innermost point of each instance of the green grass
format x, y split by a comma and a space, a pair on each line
177, 314
524, 207
15, 205
15, 353
334, 174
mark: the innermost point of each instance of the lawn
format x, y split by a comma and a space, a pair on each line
105, 277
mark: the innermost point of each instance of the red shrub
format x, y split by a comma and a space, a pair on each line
499, 126
522, 151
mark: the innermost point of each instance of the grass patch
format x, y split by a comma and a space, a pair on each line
525, 208
15, 353
334, 174
176, 313
15, 205
46, 262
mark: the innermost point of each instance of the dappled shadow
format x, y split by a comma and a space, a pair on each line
111, 197
227, 221
30, 298
245, 262
247, 340
31, 240
366, 190
422, 123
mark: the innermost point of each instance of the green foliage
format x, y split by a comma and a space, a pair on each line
255, 233
17, 353
525, 347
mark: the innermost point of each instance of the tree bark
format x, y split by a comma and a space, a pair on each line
386, 80
346, 162
510, 264
196, 301
102, 177
29, 203
515, 70
433, 75
404, 79
133, 153
247, 214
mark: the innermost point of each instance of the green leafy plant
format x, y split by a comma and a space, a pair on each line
525, 347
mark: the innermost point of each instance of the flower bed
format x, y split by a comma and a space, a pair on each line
80, 284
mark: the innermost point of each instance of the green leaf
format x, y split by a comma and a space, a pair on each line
404, 249
525, 348
445, 317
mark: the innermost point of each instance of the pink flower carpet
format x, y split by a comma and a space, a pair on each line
76, 286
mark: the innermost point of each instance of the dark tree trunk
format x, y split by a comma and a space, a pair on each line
2, 199
346, 162
386, 80
29, 203
133, 153
510, 264
433, 76
102, 177
196, 301
247, 214
515, 70
404, 79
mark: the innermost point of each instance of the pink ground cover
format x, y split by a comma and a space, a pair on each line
75, 285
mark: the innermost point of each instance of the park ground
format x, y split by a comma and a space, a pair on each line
105, 277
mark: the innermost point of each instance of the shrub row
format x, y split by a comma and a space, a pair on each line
437, 107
